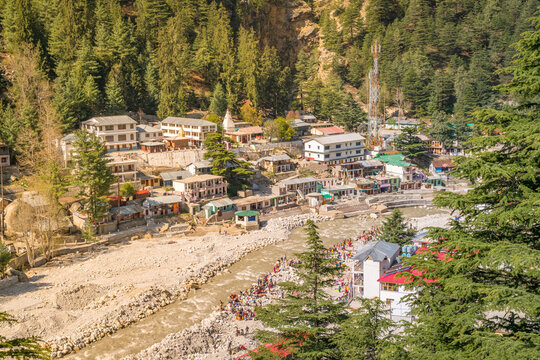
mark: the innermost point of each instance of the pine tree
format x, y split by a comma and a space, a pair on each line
441, 129
92, 175
410, 145
306, 316
366, 333
225, 163
152, 16
351, 115
248, 63
115, 103
485, 302
218, 105
396, 230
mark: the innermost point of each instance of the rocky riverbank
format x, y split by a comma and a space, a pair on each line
154, 298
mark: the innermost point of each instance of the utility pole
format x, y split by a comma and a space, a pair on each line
118, 204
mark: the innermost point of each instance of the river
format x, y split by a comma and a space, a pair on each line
241, 275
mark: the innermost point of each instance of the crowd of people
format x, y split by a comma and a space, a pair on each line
243, 304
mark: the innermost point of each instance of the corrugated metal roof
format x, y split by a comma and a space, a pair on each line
336, 139
220, 203
301, 180
111, 120
187, 121
148, 128
275, 158
200, 178
163, 200
175, 175
370, 163
127, 210
376, 250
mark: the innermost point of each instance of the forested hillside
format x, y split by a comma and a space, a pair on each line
71, 59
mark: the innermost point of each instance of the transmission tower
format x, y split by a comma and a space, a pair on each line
374, 91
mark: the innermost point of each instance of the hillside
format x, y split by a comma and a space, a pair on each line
71, 59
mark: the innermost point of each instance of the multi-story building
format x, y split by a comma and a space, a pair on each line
369, 264
397, 165
201, 187
335, 149
305, 185
117, 132
276, 163
125, 170
193, 129
147, 133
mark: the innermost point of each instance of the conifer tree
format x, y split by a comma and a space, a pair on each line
351, 115
225, 163
307, 316
248, 63
218, 104
484, 304
20, 348
366, 333
410, 145
115, 103
92, 175
441, 129
396, 230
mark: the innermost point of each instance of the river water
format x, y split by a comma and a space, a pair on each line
241, 275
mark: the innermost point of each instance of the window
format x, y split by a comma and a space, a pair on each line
318, 148
121, 137
338, 154
109, 128
358, 151
4, 160
109, 138
389, 287
122, 127
358, 143
326, 156
389, 302
326, 147
338, 146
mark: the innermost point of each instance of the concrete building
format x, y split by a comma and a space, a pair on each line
195, 130
201, 187
168, 177
118, 133
303, 185
359, 169
441, 166
162, 205
147, 133
125, 170
325, 131
276, 163
222, 209
247, 134
200, 167
369, 264
335, 149
397, 165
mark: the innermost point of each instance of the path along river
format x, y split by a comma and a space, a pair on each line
182, 314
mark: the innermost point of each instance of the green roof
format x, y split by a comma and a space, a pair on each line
246, 213
394, 159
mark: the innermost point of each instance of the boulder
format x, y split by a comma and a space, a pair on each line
19, 274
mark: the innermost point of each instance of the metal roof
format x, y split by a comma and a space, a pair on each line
220, 203
246, 213
301, 180
394, 159
376, 250
147, 128
370, 163
175, 175
187, 121
201, 164
200, 178
275, 158
127, 210
336, 139
110, 120
163, 200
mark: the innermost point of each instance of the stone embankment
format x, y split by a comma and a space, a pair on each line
155, 298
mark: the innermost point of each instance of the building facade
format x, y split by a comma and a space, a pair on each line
201, 187
125, 170
335, 149
195, 130
304, 185
118, 133
147, 133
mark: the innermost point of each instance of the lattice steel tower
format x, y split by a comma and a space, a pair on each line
374, 91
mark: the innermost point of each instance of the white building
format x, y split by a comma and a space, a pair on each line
117, 132
228, 123
393, 291
304, 185
193, 129
201, 187
335, 149
125, 170
369, 264
147, 133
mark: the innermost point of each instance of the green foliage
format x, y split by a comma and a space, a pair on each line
410, 145
225, 163
92, 174
279, 128
218, 104
485, 304
366, 332
20, 348
351, 115
5, 256
306, 315
396, 230
127, 190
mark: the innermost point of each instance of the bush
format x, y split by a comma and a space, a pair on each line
5, 256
